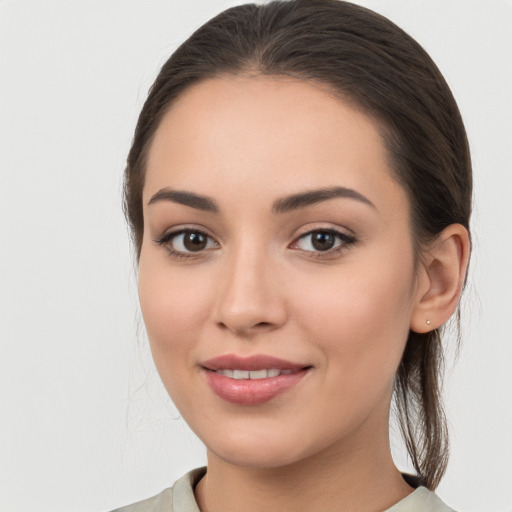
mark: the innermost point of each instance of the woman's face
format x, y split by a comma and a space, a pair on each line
277, 278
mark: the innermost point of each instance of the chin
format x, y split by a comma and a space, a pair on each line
257, 459
262, 450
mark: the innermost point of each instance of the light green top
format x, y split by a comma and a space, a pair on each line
180, 498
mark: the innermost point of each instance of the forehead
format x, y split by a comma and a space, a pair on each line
272, 135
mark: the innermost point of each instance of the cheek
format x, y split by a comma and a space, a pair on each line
359, 317
174, 313
174, 310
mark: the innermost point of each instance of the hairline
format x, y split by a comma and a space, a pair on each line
389, 137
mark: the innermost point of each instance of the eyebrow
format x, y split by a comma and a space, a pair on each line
283, 205
311, 197
191, 199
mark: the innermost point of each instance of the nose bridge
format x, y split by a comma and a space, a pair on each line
249, 295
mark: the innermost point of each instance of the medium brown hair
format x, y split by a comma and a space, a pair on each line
367, 60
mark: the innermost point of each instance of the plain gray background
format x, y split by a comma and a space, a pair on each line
84, 423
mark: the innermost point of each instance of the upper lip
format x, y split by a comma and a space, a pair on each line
255, 362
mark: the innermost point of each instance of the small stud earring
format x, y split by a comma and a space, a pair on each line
428, 322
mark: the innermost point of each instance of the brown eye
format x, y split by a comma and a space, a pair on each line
193, 241
324, 240
186, 242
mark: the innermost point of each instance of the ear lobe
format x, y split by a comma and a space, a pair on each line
442, 277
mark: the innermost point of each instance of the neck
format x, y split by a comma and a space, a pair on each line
363, 478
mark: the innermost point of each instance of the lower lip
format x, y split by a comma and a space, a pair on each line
251, 391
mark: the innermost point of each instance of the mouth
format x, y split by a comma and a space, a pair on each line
252, 374
253, 380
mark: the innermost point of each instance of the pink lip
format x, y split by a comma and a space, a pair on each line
256, 362
247, 391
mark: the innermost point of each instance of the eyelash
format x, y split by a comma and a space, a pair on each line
165, 240
346, 242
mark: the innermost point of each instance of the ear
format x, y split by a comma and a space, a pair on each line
441, 278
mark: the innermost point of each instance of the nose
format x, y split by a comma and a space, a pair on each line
250, 297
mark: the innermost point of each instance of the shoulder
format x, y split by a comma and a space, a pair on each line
162, 501
421, 500
178, 498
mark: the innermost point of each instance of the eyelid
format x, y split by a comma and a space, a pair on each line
346, 241
165, 239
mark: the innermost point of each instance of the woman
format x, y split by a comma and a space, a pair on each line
299, 193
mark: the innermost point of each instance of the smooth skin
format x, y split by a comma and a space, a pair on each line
258, 284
